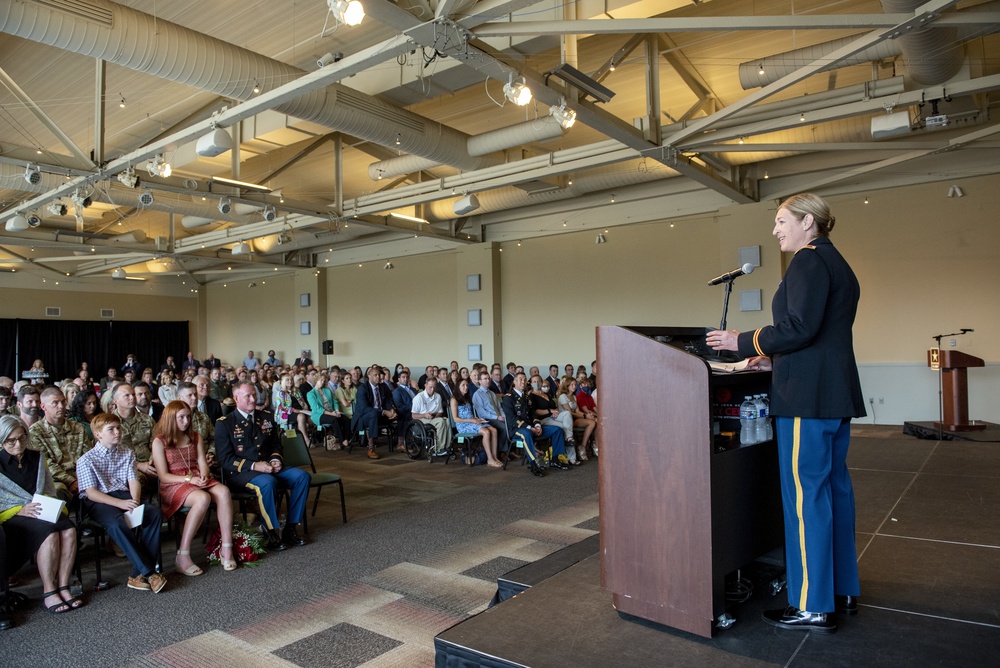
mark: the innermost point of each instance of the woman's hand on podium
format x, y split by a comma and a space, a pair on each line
759, 364
723, 340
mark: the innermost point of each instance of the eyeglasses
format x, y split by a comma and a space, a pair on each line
14, 440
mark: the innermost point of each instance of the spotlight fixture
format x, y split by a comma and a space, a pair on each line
158, 166
242, 248
146, 197
256, 87
397, 139
600, 239
612, 198
566, 117
766, 176
866, 199
802, 118
518, 93
350, 12
32, 175
760, 69
578, 79
388, 265
956, 191
128, 178
225, 206
252, 285
741, 140
17, 224
269, 213
34, 220
328, 59
119, 274
611, 66
122, 103
81, 201
57, 208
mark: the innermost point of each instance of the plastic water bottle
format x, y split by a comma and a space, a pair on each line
761, 418
765, 417
748, 422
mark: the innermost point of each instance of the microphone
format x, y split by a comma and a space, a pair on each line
966, 331
735, 273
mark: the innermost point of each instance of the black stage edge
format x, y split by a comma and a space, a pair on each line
516, 581
567, 620
927, 430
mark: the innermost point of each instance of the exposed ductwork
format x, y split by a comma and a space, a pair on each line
932, 55
132, 39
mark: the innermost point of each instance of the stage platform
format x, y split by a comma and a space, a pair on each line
927, 430
928, 539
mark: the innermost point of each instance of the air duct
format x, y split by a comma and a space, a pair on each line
140, 42
932, 55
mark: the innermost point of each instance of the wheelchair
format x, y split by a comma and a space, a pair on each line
421, 438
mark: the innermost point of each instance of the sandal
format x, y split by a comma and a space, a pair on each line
56, 608
227, 564
74, 601
192, 570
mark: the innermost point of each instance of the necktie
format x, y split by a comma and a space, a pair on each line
493, 400
378, 399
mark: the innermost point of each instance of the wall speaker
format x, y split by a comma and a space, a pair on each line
328, 347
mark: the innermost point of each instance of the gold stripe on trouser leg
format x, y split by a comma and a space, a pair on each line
260, 502
796, 443
524, 446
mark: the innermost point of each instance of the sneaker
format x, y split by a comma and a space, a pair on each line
157, 582
138, 582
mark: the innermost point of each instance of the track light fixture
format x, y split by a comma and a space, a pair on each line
351, 12
146, 197
256, 86
225, 206
270, 215
388, 265
518, 93
57, 208
760, 69
398, 139
565, 116
33, 175
119, 274
600, 239
34, 220
158, 166
122, 103
128, 178
956, 191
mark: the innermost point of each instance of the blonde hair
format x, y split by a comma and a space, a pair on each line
805, 204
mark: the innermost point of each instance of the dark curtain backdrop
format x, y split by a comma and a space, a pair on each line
63, 344
8, 348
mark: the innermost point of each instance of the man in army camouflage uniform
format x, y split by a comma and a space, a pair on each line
137, 432
62, 441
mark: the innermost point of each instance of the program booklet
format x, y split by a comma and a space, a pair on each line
133, 518
51, 507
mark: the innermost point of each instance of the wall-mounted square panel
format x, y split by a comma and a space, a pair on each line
475, 316
750, 300
475, 352
472, 282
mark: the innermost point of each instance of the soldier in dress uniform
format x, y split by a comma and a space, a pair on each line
248, 447
521, 427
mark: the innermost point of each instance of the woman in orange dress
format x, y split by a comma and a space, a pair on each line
185, 482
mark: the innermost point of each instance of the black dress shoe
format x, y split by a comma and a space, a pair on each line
846, 605
558, 465
535, 470
291, 537
274, 543
794, 619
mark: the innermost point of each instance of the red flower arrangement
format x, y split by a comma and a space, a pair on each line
248, 545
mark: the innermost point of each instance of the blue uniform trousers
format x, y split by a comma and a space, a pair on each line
266, 486
528, 441
820, 556
142, 551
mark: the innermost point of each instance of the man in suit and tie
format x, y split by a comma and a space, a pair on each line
402, 399
553, 380
373, 401
443, 386
487, 406
496, 381
249, 450
508, 381
303, 361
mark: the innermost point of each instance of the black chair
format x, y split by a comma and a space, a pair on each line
88, 527
297, 454
175, 524
240, 495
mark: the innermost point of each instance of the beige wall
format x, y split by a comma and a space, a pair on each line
31, 304
240, 318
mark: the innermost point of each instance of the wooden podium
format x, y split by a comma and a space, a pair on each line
680, 508
955, 389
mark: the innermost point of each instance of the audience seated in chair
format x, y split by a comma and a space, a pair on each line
524, 428
428, 408
545, 409
581, 419
62, 442
402, 399
185, 482
51, 544
467, 423
324, 410
109, 488
291, 410
373, 402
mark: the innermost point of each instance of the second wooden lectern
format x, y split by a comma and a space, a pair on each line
955, 389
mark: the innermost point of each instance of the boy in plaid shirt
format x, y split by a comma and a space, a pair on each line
109, 487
